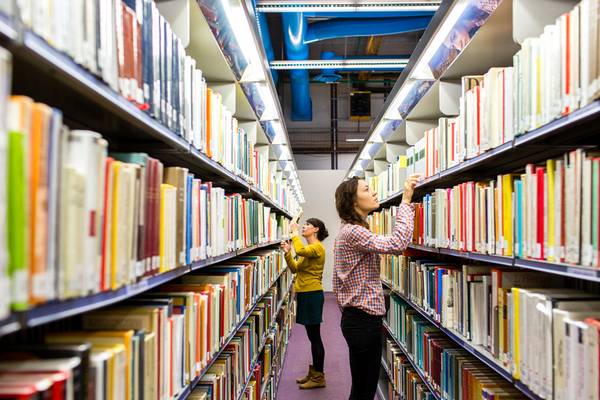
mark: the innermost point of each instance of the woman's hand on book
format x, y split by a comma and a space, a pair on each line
294, 228
286, 246
409, 187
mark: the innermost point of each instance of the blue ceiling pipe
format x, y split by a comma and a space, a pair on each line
298, 33
336, 28
294, 31
368, 14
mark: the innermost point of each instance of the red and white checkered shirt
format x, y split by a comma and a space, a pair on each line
356, 274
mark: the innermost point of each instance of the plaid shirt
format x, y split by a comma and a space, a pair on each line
356, 275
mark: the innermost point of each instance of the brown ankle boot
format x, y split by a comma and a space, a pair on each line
310, 372
317, 380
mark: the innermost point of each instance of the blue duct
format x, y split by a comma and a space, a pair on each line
336, 28
294, 31
368, 14
298, 34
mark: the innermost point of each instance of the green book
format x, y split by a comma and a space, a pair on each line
17, 221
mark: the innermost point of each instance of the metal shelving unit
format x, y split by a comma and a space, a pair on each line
477, 352
553, 139
31, 51
56, 310
412, 361
186, 392
571, 271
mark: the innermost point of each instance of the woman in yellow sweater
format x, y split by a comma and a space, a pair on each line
309, 292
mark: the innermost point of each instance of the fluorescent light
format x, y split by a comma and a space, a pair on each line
280, 137
355, 139
392, 111
270, 112
241, 28
422, 69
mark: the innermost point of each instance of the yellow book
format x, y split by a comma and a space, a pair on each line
114, 257
515, 334
550, 167
507, 214
133, 317
164, 188
115, 383
103, 340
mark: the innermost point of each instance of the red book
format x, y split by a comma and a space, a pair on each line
540, 212
449, 222
127, 51
222, 311
463, 242
473, 216
158, 180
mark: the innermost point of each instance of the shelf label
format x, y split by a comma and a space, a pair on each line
582, 271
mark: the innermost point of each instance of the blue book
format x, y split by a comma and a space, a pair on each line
189, 223
147, 56
519, 218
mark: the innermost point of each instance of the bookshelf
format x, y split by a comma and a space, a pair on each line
422, 97
87, 102
54, 311
61, 74
477, 352
411, 360
186, 392
540, 144
572, 271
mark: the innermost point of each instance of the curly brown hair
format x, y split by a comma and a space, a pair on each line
345, 199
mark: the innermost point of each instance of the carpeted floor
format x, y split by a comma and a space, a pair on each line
337, 368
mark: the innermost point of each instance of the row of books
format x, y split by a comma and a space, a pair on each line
553, 75
80, 219
548, 212
131, 47
559, 71
279, 342
540, 330
247, 369
154, 345
404, 379
451, 371
391, 180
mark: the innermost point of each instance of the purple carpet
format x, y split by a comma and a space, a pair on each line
337, 368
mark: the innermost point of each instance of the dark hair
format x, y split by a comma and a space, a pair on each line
345, 199
317, 223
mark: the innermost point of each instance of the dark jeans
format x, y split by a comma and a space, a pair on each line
316, 346
362, 332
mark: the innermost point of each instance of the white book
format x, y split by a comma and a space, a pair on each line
575, 379
586, 212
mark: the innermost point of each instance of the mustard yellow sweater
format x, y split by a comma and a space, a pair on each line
309, 266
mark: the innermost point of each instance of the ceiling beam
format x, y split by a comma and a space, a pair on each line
344, 5
354, 64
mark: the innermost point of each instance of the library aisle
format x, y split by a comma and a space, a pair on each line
337, 371
171, 169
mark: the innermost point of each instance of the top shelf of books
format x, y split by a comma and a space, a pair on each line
472, 88
143, 85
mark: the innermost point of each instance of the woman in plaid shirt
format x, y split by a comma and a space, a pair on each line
356, 276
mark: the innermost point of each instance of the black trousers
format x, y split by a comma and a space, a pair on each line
316, 346
363, 334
